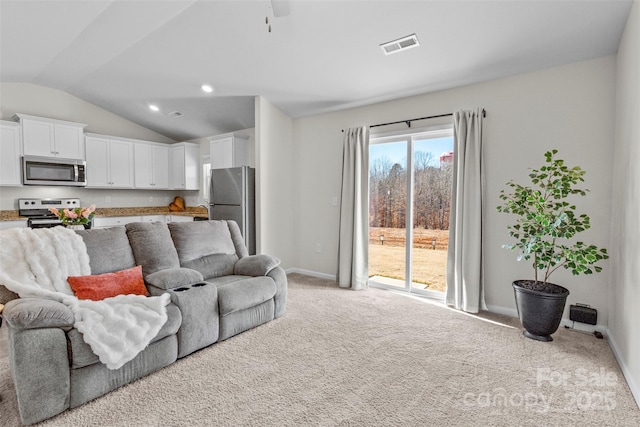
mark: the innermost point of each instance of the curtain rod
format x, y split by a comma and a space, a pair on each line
408, 122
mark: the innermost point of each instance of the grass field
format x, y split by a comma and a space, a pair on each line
429, 265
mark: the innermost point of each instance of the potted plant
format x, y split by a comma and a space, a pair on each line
74, 218
546, 223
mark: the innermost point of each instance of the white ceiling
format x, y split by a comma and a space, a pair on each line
324, 56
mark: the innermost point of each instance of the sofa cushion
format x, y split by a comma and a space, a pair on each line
80, 353
239, 292
108, 249
174, 278
214, 265
199, 238
152, 246
205, 246
100, 286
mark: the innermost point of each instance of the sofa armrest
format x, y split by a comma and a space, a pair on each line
280, 299
256, 265
173, 278
35, 313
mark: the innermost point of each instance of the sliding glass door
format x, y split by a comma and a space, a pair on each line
388, 212
410, 195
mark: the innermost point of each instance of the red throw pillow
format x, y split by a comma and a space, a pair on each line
107, 285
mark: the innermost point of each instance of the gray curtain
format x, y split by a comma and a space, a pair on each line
353, 244
465, 287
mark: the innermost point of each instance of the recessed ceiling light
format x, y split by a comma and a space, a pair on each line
207, 88
403, 43
153, 107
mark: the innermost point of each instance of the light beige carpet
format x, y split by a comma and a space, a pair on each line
370, 358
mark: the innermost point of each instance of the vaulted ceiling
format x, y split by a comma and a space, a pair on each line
321, 56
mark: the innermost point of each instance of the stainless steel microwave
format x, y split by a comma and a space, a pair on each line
53, 171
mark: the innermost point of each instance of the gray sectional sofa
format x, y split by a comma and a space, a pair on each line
217, 291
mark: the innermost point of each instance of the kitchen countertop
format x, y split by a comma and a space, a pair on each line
112, 212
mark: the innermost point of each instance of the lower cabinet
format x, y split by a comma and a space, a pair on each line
179, 218
106, 222
154, 218
4, 225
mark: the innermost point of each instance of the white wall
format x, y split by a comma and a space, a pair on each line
570, 108
276, 216
117, 198
624, 314
46, 102
42, 101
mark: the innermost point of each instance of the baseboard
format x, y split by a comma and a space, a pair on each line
505, 311
512, 312
311, 273
633, 385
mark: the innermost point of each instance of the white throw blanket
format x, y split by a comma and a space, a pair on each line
36, 263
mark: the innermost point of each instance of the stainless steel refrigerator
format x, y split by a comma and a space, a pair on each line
232, 196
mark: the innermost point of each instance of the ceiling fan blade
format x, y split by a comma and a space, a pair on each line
280, 8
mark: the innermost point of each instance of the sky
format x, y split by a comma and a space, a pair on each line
396, 152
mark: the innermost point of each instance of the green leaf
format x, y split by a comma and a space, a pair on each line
546, 220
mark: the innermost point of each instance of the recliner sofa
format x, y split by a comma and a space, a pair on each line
217, 290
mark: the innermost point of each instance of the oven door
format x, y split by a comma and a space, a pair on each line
50, 223
43, 223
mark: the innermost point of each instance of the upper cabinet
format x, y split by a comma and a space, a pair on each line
184, 165
10, 153
228, 151
109, 162
151, 165
51, 138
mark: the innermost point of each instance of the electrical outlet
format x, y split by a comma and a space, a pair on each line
334, 201
107, 199
167, 199
318, 247
151, 198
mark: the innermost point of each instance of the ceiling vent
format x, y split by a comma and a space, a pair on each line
401, 44
175, 114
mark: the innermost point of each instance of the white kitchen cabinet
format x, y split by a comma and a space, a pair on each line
154, 218
10, 153
109, 162
151, 166
179, 218
184, 166
113, 221
5, 225
51, 138
228, 151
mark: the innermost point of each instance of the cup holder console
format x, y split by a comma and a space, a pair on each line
195, 285
198, 304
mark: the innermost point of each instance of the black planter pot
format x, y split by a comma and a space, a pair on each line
540, 312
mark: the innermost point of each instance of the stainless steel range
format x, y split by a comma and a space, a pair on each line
37, 211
